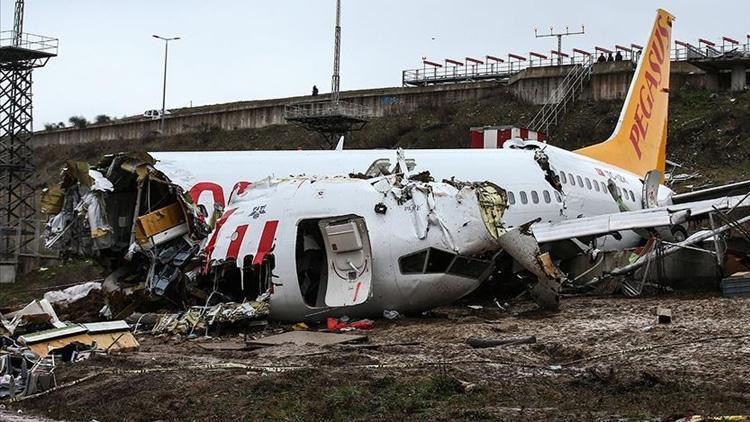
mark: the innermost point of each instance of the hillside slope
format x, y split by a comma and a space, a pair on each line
708, 133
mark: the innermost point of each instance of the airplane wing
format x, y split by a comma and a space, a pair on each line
711, 193
640, 219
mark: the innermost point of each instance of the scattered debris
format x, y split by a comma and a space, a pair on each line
200, 318
663, 315
302, 338
389, 314
738, 285
342, 324
71, 294
481, 343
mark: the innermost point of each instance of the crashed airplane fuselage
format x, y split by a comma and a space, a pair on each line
356, 247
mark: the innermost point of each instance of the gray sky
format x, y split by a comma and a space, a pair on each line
240, 50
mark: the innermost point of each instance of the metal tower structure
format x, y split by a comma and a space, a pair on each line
336, 55
20, 54
331, 118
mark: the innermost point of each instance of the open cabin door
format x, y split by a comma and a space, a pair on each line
349, 260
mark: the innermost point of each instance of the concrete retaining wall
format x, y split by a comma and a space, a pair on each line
609, 81
256, 114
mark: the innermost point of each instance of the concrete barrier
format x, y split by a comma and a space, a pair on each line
609, 81
257, 114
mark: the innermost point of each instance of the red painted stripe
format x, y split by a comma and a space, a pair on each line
266, 241
212, 241
216, 191
234, 245
356, 290
477, 139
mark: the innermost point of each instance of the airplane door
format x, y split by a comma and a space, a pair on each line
349, 260
650, 189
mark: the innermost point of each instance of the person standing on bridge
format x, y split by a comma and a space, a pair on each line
315, 91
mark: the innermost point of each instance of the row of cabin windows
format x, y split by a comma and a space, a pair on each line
577, 180
524, 197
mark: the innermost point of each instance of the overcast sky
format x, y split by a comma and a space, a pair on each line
108, 62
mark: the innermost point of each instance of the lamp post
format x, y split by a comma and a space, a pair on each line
164, 84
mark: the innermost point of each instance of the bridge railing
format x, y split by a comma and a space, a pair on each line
429, 75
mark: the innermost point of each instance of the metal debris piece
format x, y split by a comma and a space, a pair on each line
482, 343
738, 285
663, 315
302, 338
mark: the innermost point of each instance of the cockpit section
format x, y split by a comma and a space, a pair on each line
437, 261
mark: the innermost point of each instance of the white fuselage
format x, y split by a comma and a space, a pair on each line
515, 170
211, 177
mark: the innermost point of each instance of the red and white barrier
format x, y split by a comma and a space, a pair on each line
495, 136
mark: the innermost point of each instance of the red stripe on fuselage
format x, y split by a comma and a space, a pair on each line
234, 245
212, 241
266, 241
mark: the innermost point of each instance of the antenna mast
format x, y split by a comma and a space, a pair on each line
559, 36
336, 55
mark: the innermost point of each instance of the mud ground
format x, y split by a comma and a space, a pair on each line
615, 362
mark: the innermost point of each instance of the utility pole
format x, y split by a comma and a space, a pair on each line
164, 83
559, 36
336, 55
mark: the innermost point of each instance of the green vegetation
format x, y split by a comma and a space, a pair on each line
33, 285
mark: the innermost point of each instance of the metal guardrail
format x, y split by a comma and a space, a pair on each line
326, 109
29, 41
502, 71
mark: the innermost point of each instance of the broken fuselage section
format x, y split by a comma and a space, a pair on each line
314, 247
349, 246
131, 219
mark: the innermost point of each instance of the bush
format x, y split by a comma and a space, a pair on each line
102, 118
78, 121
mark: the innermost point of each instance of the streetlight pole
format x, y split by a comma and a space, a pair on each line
164, 83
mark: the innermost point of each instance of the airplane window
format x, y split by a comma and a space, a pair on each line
563, 177
632, 196
619, 191
468, 267
547, 198
524, 198
596, 186
604, 187
413, 263
535, 197
588, 183
572, 180
580, 181
558, 198
438, 261
511, 198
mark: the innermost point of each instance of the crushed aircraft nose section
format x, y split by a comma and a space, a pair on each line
124, 210
356, 246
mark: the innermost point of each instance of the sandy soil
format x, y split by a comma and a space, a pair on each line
615, 362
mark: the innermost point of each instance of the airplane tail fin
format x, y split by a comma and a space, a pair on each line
639, 142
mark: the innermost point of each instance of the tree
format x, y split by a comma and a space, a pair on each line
50, 126
78, 121
102, 118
